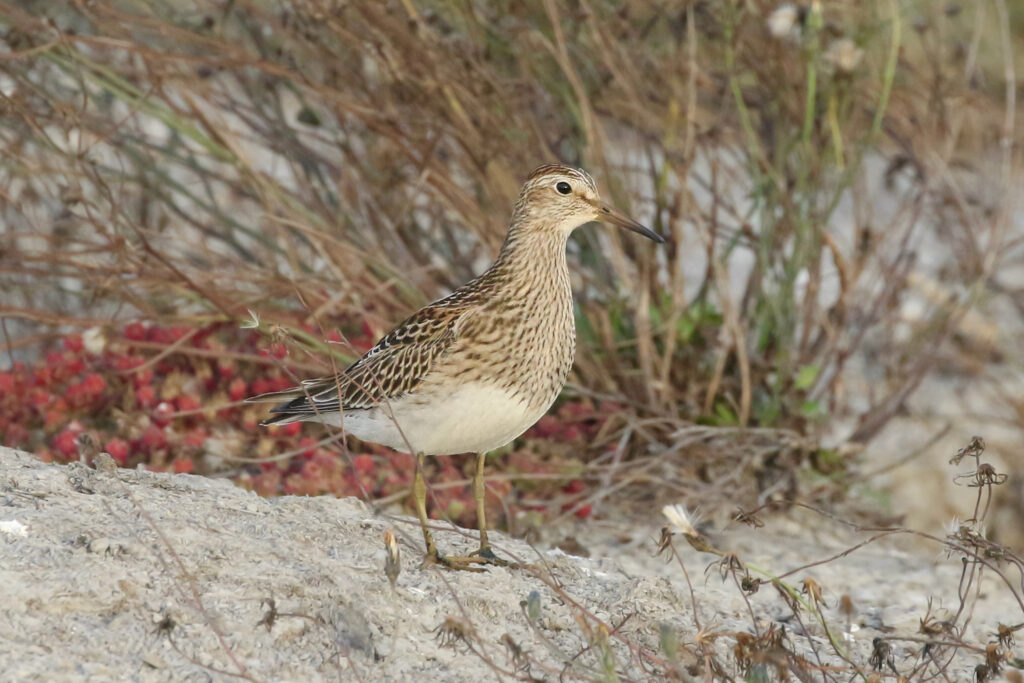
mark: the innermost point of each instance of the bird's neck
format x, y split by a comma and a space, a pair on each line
534, 255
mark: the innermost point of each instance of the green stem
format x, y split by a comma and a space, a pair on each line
813, 26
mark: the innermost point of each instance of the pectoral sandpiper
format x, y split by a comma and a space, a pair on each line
474, 370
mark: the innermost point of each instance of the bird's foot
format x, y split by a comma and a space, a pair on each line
454, 562
486, 556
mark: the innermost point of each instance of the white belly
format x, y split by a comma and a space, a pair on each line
475, 418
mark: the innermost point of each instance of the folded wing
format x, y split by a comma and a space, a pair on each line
391, 369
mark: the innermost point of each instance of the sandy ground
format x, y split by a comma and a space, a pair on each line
94, 562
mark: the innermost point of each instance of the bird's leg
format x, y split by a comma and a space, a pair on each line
479, 491
419, 492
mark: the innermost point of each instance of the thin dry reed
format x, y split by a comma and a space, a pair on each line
324, 161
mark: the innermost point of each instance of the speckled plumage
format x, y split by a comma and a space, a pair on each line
474, 370
511, 328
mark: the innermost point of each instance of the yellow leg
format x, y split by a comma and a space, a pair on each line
479, 491
419, 492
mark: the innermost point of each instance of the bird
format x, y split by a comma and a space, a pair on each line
472, 371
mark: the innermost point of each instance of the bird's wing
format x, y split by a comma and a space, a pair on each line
392, 368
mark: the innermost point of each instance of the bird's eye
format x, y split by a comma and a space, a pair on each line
563, 187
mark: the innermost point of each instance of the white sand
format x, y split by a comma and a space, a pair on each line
87, 573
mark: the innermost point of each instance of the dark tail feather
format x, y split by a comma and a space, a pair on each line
284, 419
295, 406
289, 396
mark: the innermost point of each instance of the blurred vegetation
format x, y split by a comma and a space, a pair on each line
327, 164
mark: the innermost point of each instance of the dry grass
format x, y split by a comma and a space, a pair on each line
813, 642
187, 163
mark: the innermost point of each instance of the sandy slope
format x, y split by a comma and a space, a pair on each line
87, 573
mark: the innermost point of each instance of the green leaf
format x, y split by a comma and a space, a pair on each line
699, 315
725, 415
806, 375
685, 327
811, 409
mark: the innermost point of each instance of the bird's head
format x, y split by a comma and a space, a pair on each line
563, 198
